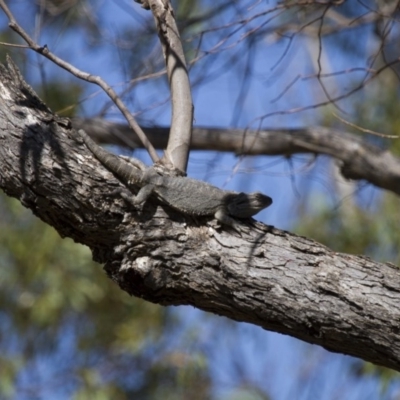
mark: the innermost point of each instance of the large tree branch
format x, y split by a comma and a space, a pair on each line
358, 159
270, 278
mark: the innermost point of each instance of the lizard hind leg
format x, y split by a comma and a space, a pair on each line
138, 200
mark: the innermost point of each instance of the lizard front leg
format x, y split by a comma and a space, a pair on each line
222, 216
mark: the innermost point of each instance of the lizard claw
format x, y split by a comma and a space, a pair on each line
241, 228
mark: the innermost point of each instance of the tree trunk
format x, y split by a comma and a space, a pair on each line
271, 278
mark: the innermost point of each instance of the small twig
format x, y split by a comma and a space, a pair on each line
44, 51
21, 46
364, 129
325, 90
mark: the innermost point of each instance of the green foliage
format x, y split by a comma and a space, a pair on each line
358, 230
61, 97
380, 113
385, 375
8, 36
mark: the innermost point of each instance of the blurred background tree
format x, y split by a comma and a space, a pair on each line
66, 331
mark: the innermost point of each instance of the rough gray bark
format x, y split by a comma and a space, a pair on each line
358, 159
271, 278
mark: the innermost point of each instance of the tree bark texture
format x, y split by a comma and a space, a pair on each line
271, 278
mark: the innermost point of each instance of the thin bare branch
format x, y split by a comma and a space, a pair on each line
44, 51
364, 129
20, 46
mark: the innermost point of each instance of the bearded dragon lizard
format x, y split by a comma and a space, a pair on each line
189, 196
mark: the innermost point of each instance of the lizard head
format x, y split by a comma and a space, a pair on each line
245, 205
